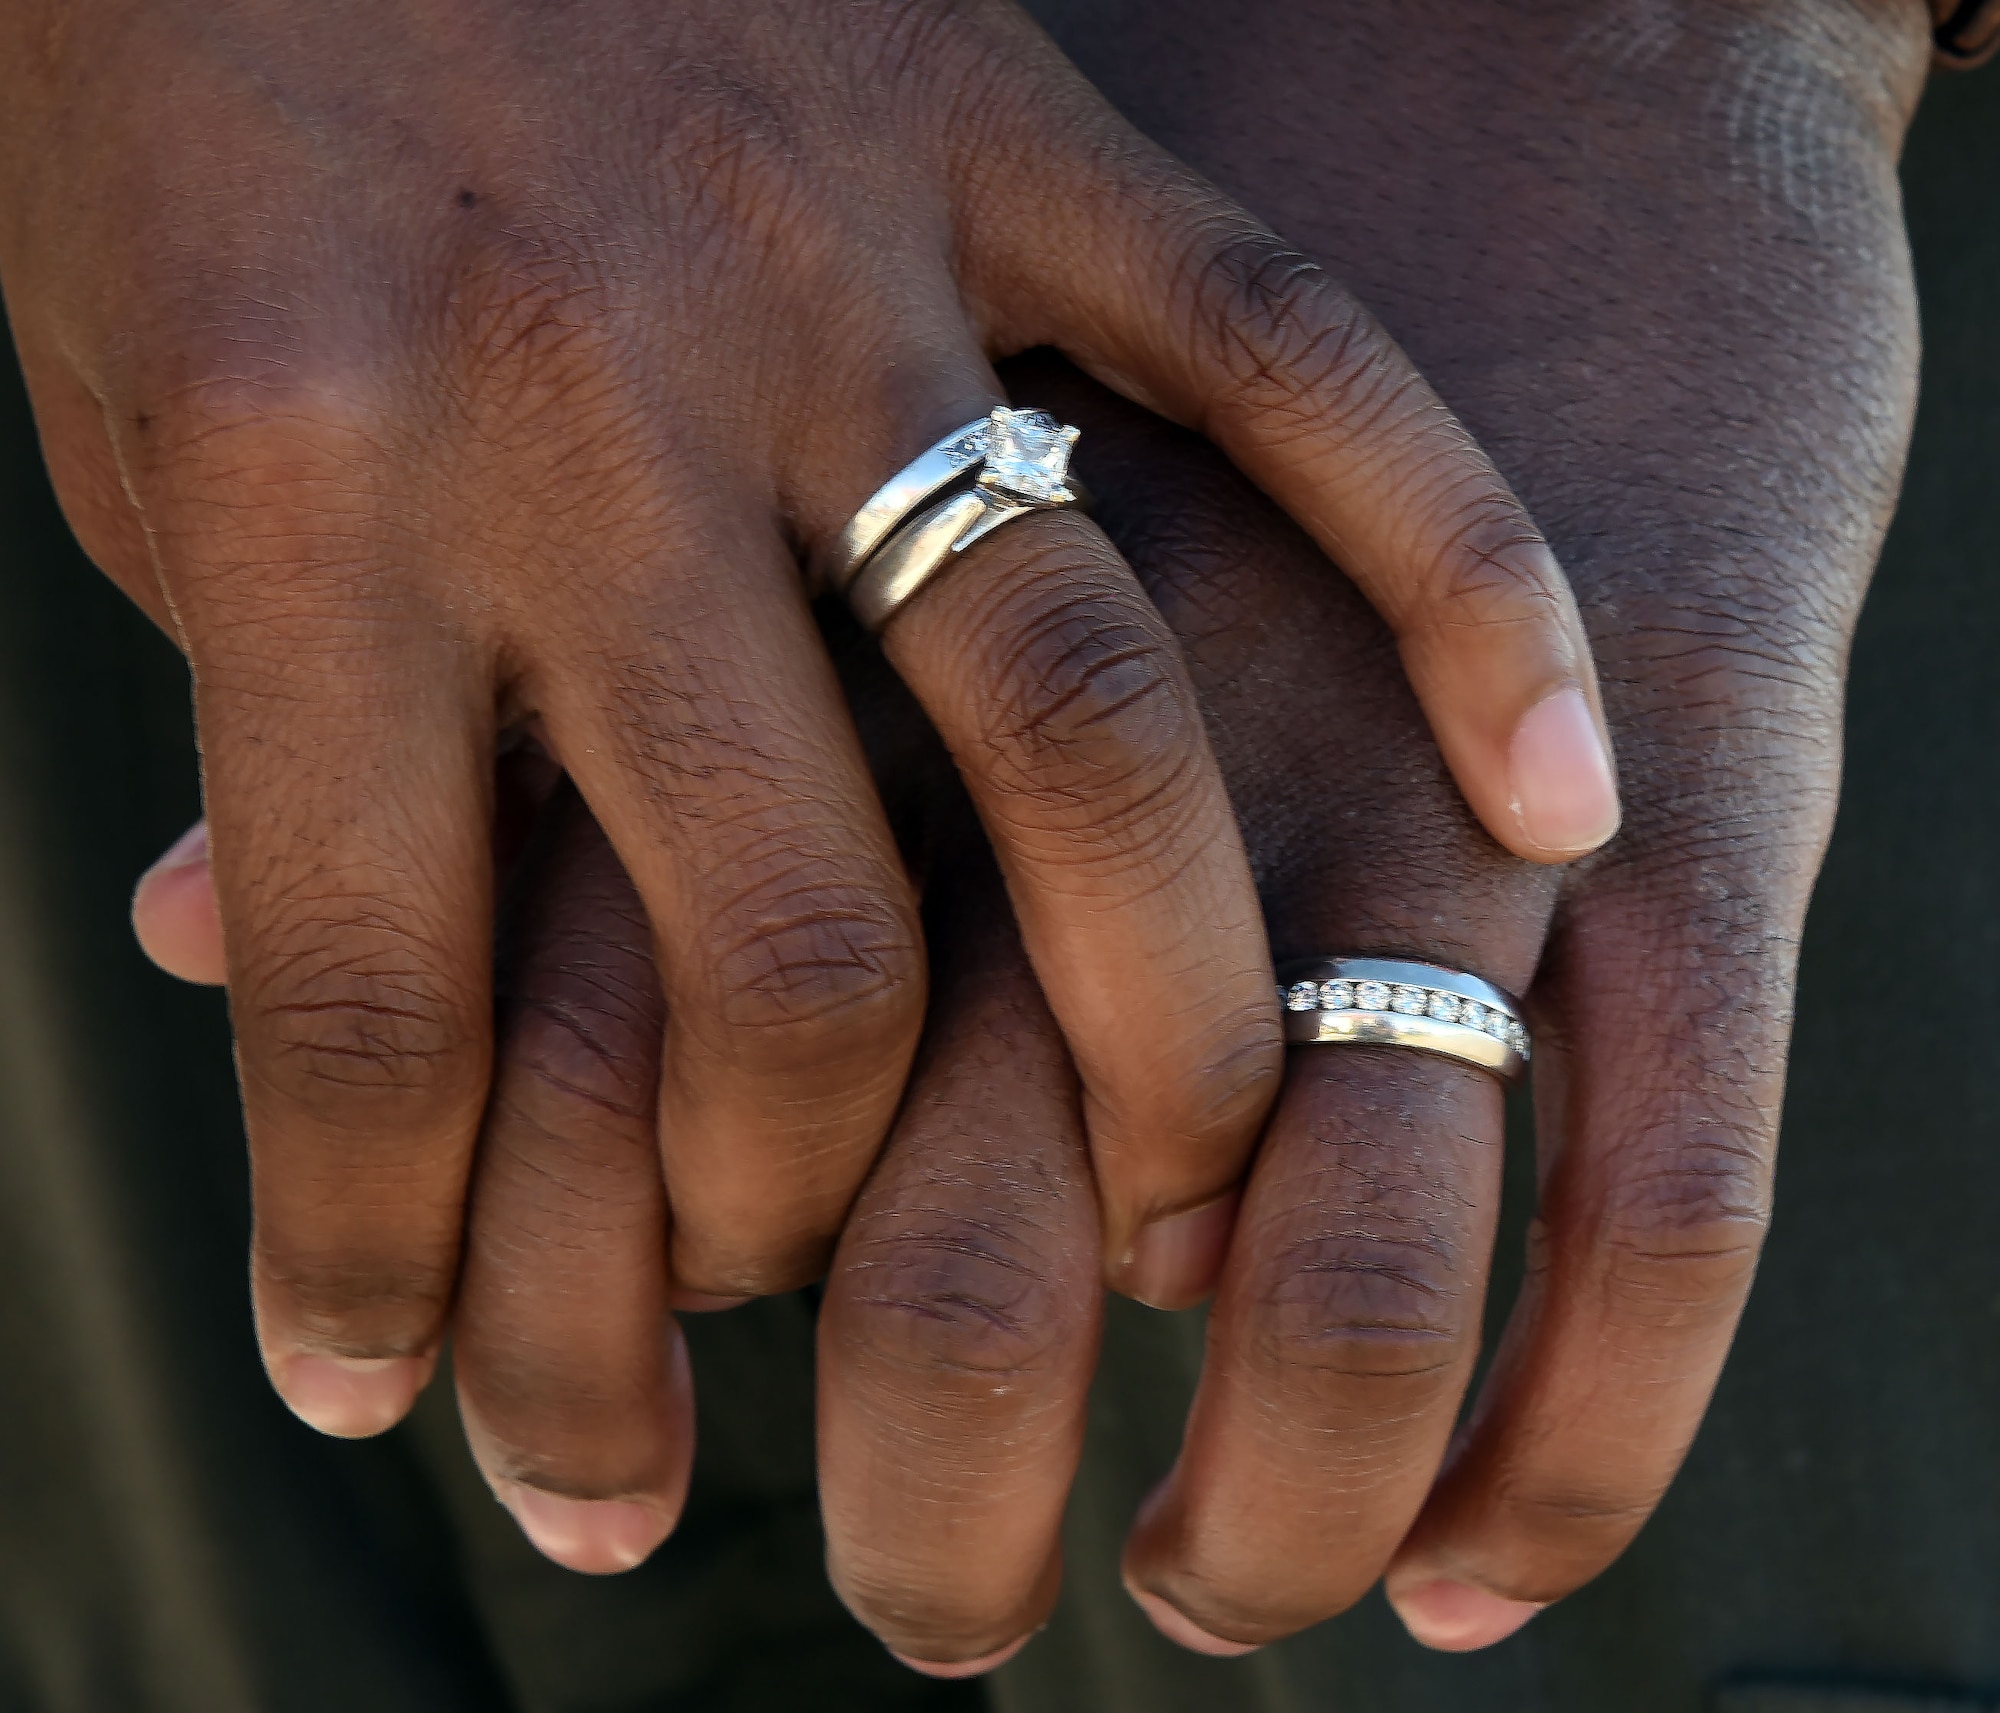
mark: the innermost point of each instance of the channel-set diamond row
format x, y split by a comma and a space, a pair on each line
1408, 1002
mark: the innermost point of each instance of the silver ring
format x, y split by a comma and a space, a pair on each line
1026, 470
1396, 1002
835, 564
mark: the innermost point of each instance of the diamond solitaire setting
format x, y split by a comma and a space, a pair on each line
1027, 456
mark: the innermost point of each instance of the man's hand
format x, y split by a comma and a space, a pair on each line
1656, 260
433, 369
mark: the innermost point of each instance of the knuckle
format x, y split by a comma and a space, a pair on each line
968, 1300
1573, 1529
1681, 1229
1491, 571
1743, 783
530, 305
1085, 718
1279, 324
810, 969
332, 1053
240, 383
1211, 1095
257, 468
1386, 1304
354, 1301
364, 1040
263, 447
1572, 1508
592, 1054
748, 1262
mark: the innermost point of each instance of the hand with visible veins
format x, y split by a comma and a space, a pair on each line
433, 369
1698, 366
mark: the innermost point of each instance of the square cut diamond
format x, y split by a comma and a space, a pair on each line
1027, 453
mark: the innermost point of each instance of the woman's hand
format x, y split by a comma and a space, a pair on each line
431, 369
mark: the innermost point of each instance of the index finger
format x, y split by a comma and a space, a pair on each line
1215, 322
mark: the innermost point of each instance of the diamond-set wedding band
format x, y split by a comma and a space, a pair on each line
1397, 1002
880, 561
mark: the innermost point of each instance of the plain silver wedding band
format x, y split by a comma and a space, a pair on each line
893, 577
838, 560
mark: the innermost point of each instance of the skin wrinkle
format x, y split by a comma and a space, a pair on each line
931, 1311
558, 1045
1242, 292
562, 1201
973, 1446
335, 1056
1065, 688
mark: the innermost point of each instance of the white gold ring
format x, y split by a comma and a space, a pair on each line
1397, 1002
1025, 468
839, 559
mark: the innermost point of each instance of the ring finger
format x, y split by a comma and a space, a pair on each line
1345, 1325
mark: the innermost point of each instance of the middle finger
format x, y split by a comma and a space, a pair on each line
959, 1328
572, 1376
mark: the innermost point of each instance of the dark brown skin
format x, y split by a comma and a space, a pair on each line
1661, 272
435, 368
1660, 269
1693, 340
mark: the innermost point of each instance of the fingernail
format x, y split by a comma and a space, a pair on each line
1174, 1259
963, 1667
1456, 1618
1565, 793
701, 1302
599, 1537
1178, 1627
174, 913
187, 850
351, 1397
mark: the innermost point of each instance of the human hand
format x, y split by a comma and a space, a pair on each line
1728, 543
432, 370
1727, 540
572, 1375
1658, 264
